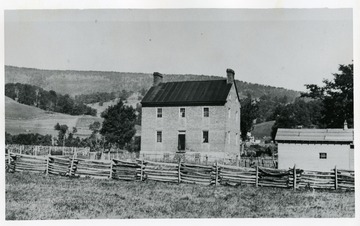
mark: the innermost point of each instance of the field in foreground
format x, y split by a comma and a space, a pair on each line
37, 196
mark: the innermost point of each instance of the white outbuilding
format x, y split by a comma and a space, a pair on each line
315, 149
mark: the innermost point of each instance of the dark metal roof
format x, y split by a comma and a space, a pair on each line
188, 93
315, 135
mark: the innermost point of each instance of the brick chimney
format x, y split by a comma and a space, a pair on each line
230, 74
157, 78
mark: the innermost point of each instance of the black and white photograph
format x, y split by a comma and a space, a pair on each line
132, 113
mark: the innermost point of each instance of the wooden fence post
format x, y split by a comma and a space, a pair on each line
141, 170
47, 164
216, 173
257, 176
336, 178
72, 165
9, 153
237, 160
111, 169
179, 172
294, 178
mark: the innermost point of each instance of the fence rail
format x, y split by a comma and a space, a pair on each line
169, 157
217, 174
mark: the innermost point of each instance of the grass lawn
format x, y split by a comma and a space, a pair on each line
37, 196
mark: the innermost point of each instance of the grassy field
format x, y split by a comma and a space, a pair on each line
37, 196
20, 118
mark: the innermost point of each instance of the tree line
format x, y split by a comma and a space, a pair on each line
46, 100
101, 97
327, 106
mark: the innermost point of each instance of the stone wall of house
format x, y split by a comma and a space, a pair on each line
232, 122
170, 124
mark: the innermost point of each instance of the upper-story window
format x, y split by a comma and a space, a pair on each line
229, 112
159, 113
206, 112
228, 137
236, 116
182, 112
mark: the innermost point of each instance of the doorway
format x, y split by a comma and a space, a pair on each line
181, 141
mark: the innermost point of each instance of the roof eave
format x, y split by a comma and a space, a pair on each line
180, 104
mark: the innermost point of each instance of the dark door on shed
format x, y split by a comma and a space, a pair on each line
181, 142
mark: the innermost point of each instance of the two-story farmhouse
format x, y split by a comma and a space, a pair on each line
316, 149
197, 116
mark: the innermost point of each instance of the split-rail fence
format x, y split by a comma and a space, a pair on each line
216, 174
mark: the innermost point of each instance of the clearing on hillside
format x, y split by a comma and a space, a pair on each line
21, 118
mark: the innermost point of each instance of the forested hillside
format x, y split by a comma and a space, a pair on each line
89, 82
47, 100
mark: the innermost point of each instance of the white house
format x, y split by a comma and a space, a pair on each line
315, 149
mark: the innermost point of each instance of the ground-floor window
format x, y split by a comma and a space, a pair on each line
205, 136
159, 136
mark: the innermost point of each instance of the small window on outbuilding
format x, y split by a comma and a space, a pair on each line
205, 136
182, 112
323, 155
206, 112
159, 112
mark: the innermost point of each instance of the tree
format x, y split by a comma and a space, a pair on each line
298, 114
118, 126
337, 97
63, 129
138, 114
249, 112
94, 141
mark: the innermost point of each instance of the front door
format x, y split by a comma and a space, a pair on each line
181, 142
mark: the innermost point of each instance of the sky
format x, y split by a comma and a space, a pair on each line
278, 47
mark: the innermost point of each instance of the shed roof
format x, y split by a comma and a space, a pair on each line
315, 135
188, 93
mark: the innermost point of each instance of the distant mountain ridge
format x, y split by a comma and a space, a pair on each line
85, 82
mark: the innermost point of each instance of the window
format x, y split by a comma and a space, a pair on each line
237, 139
236, 116
206, 112
228, 137
229, 112
323, 155
205, 136
182, 112
159, 136
159, 112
